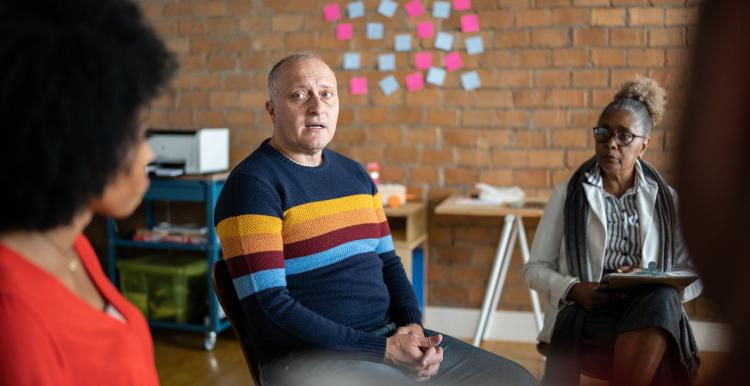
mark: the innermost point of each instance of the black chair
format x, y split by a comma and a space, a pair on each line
596, 362
229, 301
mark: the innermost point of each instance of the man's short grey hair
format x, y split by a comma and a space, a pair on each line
273, 76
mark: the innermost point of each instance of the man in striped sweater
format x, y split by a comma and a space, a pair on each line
307, 244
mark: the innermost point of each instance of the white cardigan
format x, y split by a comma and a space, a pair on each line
547, 271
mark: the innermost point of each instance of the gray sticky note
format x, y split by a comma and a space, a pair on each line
387, 8
470, 80
436, 76
351, 60
444, 41
387, 62
389, 85
356, 9
403, 42
441, 9
374, 31
474, 45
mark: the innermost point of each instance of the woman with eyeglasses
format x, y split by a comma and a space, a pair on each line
615, 214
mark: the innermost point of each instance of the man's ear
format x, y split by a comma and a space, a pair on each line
270, 110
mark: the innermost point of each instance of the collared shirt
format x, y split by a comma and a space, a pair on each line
623, 227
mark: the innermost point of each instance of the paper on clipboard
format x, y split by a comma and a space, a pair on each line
624, 281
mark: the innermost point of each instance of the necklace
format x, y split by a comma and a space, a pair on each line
72, 259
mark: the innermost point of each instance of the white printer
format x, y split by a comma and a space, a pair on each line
196, 151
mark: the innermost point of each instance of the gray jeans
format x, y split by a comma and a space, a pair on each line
462, 364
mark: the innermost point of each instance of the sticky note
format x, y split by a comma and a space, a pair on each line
387, 8
351, 60
444, 41
441, 10
389, 85
414, 81
469, 23
414, 8
425, 30
474, 45
356, 9
331, 12
344, 31
453, 61
436, 76
402, 42
374, 31
461, 5
387, 62
470, 80
423, 60
358, 86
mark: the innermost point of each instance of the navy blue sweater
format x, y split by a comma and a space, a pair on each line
311, 256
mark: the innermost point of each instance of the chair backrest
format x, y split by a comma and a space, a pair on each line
227, 295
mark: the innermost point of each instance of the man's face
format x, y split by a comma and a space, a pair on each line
305, 107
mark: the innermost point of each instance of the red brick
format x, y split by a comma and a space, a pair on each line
492, 138
497, 177
209, 8
575, 57
496, 19
674, 37
437, 156
193, 99
611, 17
179, 9
476, 117
180, 118
191, 28
442, 118
421, 136
240, 118
646, 16
550, 37
590, 36
533, 17
286, 23
511, 39
472, 157
576, 138
385, 135
427, 175
531, 139
460, 176
534, 58
547, 158
590, 2
572, 98
570, 16
591, 78
575, 158
427, 97
209, 118
681, 16
621, 76
223, 99
628, 37
608, 57
645, 57
552, 78
511, 118
533, 178
253, 99
493, 98
510, 158
677, 57
221, 62
512, 78
545, 118
401, 154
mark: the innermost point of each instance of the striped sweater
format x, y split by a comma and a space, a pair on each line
311, 256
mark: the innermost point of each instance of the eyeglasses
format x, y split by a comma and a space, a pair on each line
623, 138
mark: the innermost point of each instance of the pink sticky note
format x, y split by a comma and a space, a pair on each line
331, 12
414, 81
358, 86
344, 31
423, 60
453, 61
461, 5
469, 23
425, 30
414, 8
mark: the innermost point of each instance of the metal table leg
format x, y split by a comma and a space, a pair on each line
493, 279
501, 280
525, 255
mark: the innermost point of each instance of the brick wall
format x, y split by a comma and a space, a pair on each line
548, 69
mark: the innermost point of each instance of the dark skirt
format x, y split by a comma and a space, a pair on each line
583, 339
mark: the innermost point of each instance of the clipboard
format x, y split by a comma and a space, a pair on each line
625, 281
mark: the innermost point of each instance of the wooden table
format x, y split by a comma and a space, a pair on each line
512, 230
408, 225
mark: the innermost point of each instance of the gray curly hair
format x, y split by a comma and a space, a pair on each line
644, 98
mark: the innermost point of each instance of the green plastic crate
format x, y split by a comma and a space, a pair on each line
166, 288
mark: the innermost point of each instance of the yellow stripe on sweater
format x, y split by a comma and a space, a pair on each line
244, 245
313, 210
330, 223
248, 224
